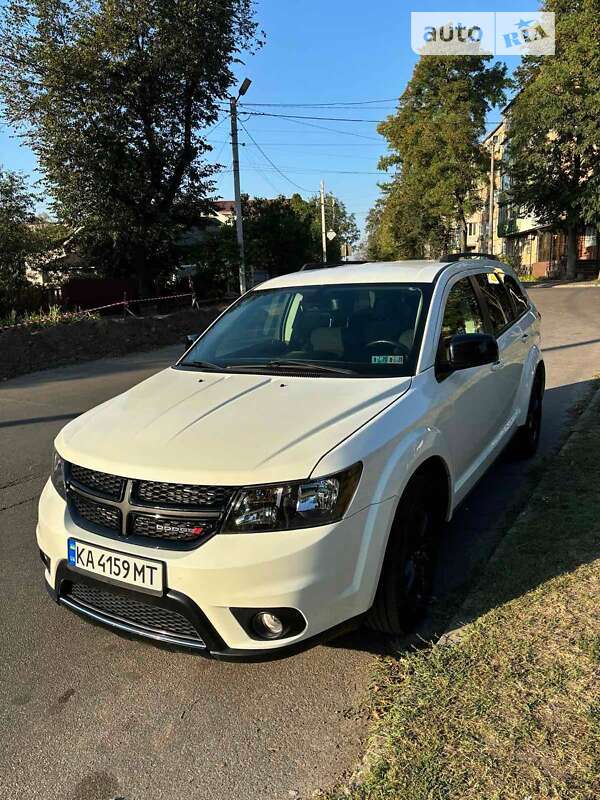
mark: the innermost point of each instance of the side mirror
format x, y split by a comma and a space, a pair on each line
189, 340
467, 350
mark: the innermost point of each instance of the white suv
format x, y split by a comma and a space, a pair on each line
288, 477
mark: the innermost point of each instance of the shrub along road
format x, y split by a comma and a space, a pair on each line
88, 715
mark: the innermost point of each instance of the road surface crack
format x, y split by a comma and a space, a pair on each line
20, 503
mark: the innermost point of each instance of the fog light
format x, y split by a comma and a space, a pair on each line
267, 625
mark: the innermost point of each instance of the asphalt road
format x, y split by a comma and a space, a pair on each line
88, 715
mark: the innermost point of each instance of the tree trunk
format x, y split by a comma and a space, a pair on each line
463, 236
571, 252
140, 266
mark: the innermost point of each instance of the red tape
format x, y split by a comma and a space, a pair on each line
86, 311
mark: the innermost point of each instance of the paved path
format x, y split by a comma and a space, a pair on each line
88, 715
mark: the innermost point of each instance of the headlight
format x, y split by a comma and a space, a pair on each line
293, 505
58, 475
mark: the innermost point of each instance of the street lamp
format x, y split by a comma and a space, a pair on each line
239, 225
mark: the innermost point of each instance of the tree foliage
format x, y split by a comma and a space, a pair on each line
113, 97
435, 148
280, 235
16, 238
554, 145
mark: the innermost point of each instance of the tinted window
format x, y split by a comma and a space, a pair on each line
497, 300
515, 292
369, 329
461, 315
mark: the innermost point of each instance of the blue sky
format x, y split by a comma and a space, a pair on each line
316, 51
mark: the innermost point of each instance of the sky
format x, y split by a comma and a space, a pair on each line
316, 52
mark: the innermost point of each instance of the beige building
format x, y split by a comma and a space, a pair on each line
537, 250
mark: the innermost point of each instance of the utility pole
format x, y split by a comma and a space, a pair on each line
239, 224
323, 231
491, 208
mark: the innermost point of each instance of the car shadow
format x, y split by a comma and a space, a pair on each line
479, 525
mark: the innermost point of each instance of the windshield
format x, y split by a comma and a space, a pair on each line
354, 330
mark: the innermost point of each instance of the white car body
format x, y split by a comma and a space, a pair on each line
236, 430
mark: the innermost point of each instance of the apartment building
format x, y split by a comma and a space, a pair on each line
536, 250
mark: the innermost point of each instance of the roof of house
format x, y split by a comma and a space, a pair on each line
225, 206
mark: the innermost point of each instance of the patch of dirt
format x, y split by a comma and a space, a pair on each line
25, 350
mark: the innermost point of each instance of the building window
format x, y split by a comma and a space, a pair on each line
472, 229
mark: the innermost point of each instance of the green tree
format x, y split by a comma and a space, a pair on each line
112, 97
435, 143
280, 235
16, 241
554, 145
337, 219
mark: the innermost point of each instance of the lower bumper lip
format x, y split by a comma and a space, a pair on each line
212, 648
129, 628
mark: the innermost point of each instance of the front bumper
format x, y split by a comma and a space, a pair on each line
328, 574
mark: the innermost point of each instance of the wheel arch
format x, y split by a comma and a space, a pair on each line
435, 470
541, 368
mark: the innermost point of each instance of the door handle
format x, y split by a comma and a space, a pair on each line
524, 337
498, 366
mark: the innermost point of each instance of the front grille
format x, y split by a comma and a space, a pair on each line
150, 618
97, 513
171, 528
109, 486
181, 495
126, 499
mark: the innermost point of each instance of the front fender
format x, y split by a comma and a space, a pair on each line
389, 461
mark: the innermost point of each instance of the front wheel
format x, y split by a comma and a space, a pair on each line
527, 438
407, 573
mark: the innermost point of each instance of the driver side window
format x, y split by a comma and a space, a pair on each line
461, 315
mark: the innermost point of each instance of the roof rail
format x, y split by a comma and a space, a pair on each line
449, 257
321, 265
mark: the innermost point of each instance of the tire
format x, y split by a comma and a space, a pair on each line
527, 438
406, 577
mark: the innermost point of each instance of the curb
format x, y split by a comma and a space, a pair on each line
460, 621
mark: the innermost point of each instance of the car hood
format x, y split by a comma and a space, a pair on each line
234, 429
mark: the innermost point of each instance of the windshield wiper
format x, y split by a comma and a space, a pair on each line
204, 365
300, 365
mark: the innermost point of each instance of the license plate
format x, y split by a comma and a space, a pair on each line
140, 573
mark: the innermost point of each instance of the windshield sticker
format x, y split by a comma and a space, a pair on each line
387, 359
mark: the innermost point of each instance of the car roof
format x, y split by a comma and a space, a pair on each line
379, 272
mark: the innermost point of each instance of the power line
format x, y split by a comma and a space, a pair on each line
312, 171
264, 175
216, 125
334, 130
327, 155
220, 149
307, 144
302, 116
331, 104
266, 157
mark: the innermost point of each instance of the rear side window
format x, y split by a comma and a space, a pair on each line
515, 292
497, 300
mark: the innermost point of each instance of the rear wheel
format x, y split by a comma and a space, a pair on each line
407, 573
527, 437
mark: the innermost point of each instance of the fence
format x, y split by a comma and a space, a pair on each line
71, 316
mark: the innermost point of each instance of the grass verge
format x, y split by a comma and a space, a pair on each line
512, 710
